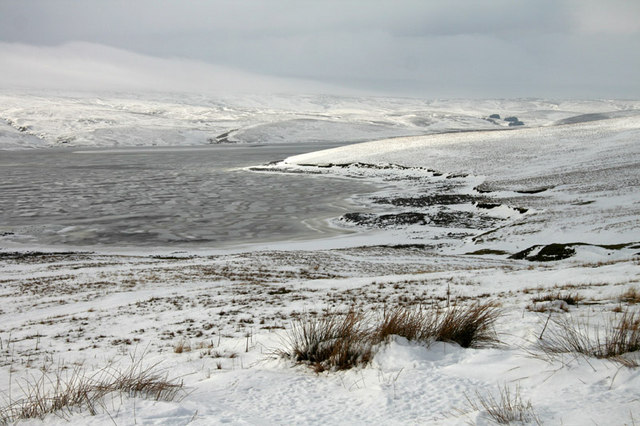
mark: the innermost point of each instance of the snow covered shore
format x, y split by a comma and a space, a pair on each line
556, 184
455, 210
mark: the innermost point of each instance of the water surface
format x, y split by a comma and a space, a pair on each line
164, 197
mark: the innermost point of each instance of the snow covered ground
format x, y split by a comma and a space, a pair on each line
453, 211
40, 118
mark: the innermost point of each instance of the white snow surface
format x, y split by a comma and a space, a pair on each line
53, 118
568, 177
552, 181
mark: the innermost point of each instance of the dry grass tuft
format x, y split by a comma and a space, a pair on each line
508, 407
338, 342
631, 296
469, 327
619, 337
410, 323
62, 393
568, 298
333, 342
182, 346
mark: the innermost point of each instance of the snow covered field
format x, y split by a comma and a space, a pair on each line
62, 119
541, 219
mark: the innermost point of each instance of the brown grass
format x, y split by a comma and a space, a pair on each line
338, 342
182, 346
506, 408
631, 296
568, 298
618, 337
62, 393
334, 341
410, 323
469, 327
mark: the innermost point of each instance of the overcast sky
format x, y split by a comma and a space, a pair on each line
439, 48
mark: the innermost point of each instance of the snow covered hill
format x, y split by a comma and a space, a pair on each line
107, 119
568, 183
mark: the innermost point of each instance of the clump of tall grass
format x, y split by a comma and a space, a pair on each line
469, 327
411, 323
505, 408
333, 341
338, 342
618, 337
64, 392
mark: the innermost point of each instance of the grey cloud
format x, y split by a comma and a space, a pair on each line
429, 48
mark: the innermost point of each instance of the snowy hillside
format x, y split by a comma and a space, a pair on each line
536, 223
522, 187
107, 119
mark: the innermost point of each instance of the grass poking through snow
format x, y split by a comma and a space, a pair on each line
64, 392
332, 342
338, 342
469, 327
618, 337
505, 408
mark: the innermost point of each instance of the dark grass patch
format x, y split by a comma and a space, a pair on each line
483, 188
386, 220
40, 256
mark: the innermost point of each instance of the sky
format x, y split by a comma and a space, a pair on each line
437, 48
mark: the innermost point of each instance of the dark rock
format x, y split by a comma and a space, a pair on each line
223, 137
495, 116
452, 219
484, 252
483, 189
534, 190
488, 206
550, 252
430, 200
458, 176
